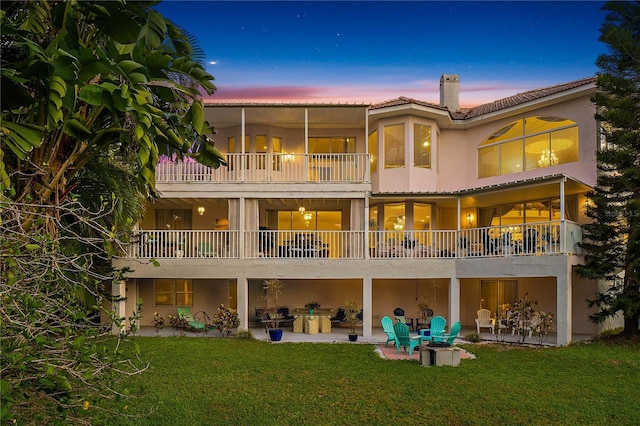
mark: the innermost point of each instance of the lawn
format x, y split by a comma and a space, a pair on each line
224, 381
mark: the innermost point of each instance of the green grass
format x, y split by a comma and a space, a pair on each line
241, 382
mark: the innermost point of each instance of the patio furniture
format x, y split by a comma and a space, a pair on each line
484, 320
205, 250
399, 314
531, 241
185, 313
438, 324
529, 325
403, 338
285, 317
387, 327
449, 338
340, 316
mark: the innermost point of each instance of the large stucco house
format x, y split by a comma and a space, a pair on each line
387, 204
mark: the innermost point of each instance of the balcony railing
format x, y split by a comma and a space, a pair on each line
545, 238
322, 168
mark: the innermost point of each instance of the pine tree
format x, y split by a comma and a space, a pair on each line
612, 240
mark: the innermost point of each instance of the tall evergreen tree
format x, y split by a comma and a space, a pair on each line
612, 240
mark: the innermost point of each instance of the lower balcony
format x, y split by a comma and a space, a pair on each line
544, 238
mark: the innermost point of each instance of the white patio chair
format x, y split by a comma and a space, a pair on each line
484, 320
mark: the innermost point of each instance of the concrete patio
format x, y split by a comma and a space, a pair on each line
340, 335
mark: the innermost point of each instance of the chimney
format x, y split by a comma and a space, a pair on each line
450, 91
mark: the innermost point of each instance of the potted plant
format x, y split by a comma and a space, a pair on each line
425, 313
351, 313
312, 306
273, 288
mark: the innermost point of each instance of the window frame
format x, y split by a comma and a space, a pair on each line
496, 141
174, 294
400, 146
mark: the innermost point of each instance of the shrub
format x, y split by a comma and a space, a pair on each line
225, 320
245, 334
472, 337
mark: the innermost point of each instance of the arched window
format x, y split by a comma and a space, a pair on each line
528, 144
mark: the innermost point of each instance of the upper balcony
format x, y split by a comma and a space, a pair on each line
270, 167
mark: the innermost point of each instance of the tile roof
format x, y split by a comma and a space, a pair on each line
498, 105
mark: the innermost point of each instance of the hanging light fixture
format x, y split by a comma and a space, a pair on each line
548, 158
201, 210
301, 209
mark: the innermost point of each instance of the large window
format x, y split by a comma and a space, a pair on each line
373, 150
394, 146
276, 146
334, 145
173, 292
528, 144
498, 296
421, 145
307, 219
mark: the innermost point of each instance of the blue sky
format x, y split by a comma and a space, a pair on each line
371, 51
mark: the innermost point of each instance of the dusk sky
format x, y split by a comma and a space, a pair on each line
372, 51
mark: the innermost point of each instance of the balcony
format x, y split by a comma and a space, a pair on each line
544, 238
319, 168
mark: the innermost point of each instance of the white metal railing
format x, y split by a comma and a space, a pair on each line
334, 168
412, 244
544, 238
523, 239
189, 244
303, 244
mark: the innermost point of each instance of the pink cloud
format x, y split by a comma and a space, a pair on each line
471, 94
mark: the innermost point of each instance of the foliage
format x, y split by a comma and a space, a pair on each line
472, 337
92, 93
53, 353
158, 322
134, 318
351, 312
611, 241
521, 315
225, 320
244, 334
273, 288
544, 325
424, 311
312, 305
85, 80
578, 384
180, 323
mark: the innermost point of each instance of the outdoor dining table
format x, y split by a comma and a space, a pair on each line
305, 322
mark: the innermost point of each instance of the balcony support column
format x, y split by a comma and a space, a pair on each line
454, 300
242, 290
119, 305
367, 307
563, 223
563, 318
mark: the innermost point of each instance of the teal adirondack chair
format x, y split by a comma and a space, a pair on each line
437, 328
403, 338
186, 314
450, 337
387, 327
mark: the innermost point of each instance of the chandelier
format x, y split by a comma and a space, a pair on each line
548, 158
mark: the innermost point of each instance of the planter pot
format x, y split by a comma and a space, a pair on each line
353, 337
275, 334
311, 311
